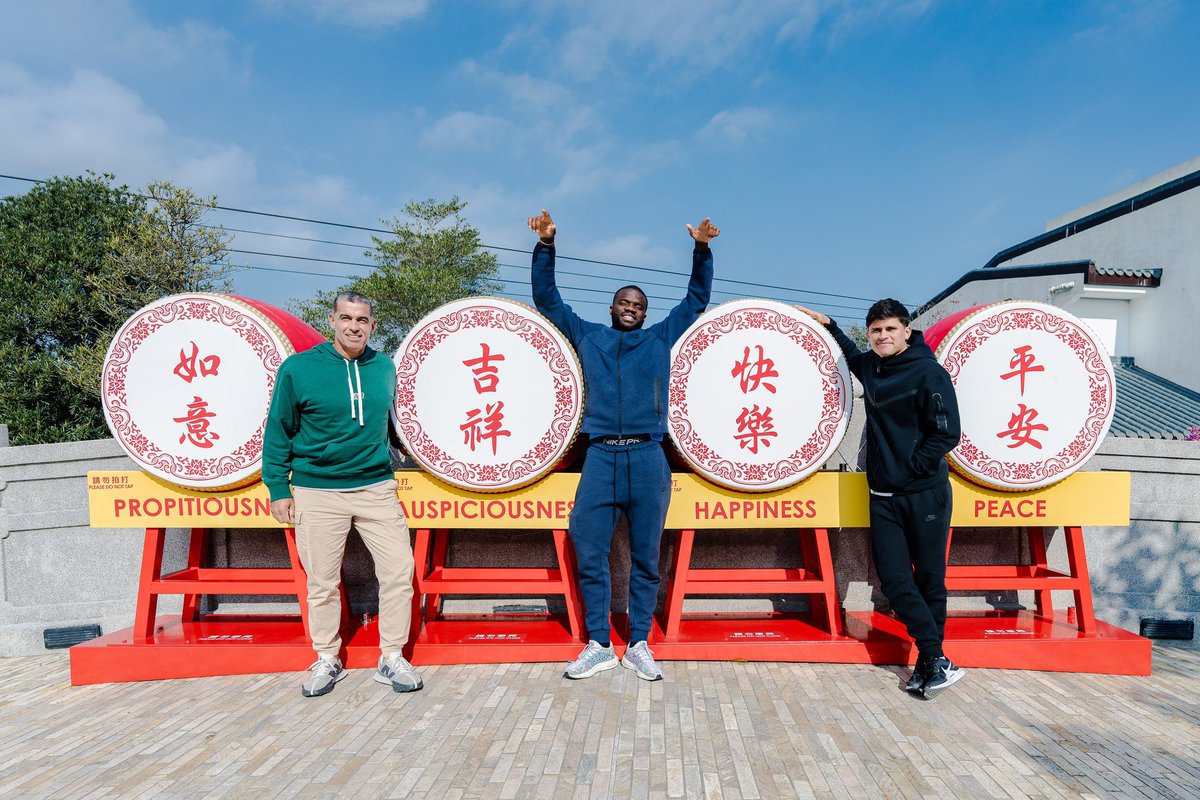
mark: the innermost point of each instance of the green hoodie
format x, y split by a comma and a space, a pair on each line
328, 423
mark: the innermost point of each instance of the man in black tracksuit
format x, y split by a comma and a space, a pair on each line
912, 422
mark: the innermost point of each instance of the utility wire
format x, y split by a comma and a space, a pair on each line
349, 226
506, 280
524, 297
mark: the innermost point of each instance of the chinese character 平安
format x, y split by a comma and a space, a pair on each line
1021, 427
196, 424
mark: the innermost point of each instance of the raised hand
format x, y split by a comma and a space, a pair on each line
543, 226
817, 315
705, 232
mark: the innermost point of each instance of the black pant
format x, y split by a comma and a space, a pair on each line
908, 539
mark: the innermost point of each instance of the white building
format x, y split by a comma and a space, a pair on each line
1128, 265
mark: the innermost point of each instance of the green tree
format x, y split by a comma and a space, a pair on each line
434, 256
859, 334
78, 256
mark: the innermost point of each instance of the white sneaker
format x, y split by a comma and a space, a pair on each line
593, 659
639, 659
395, 671
323, 674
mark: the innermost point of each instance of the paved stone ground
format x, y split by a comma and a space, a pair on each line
759, 730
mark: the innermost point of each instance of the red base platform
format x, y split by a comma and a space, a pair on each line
248, 645
993, 639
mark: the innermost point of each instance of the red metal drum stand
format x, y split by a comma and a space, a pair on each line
492, 638
1036, 575
748, 636
195, 644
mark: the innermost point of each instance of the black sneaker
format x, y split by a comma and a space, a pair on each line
916, 682
942, 674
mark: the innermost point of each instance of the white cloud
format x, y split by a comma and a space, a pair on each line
358, 13
739, 124
637, 249
466, 130
90, 121
530, 92
700, 36
111, 36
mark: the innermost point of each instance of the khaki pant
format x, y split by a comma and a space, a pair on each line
323, 521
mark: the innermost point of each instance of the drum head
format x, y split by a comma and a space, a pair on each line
1036, 394
760, 395
489, 394
186, 385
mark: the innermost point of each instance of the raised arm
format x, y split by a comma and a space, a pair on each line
854, 356
699, 285
545, 289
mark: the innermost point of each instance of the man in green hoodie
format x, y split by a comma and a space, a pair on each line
328, 428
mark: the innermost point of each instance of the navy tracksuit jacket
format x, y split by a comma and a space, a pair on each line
626, 375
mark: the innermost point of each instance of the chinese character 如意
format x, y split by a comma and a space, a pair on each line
186, 368
196, 420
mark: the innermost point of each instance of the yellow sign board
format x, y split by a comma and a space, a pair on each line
824, 500
1085, 498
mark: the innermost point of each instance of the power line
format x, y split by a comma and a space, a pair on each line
569, 300
349, 226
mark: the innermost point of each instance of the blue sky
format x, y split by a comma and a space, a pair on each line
867, 149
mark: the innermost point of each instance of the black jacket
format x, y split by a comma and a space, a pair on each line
912, 414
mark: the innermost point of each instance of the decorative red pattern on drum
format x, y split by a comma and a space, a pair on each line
489, 394
1036, 394
759, 395
186, 384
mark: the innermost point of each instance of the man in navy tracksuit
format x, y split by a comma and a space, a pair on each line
912, 422
625, 369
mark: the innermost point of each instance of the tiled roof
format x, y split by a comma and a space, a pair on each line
1150, 407
1130, 273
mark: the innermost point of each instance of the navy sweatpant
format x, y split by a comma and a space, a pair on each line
634, 479
908, 539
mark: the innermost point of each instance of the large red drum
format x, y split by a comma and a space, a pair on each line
489, 394
760, 395
187, 382
1035, 389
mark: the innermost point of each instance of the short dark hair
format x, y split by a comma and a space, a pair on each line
637, 289
886, 309
353, 297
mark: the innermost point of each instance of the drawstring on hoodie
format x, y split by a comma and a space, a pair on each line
359, 394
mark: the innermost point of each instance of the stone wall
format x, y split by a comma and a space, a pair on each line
55, 571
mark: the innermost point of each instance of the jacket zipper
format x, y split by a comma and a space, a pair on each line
620, 424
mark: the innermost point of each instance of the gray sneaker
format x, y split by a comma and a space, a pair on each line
593, 659
639, 659
395, 671
323, 674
